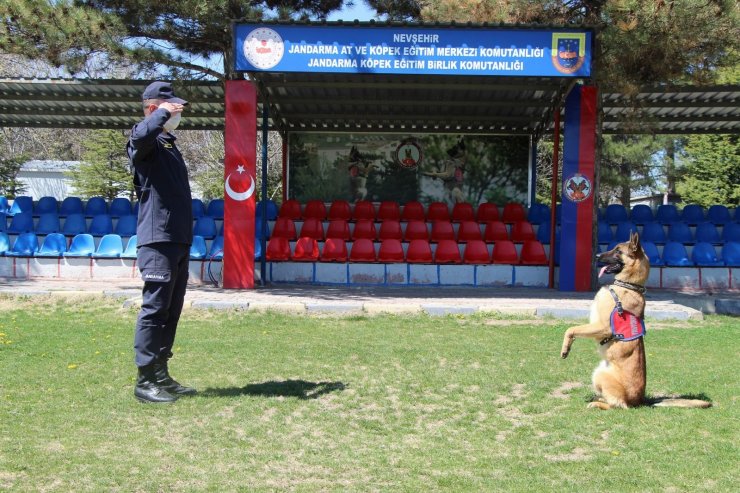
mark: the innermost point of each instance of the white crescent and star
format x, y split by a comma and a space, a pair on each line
239, 196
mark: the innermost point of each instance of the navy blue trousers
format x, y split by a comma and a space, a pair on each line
164, 269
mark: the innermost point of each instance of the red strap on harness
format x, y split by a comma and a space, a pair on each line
626, 326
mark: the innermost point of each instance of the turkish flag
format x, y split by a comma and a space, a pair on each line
240, 141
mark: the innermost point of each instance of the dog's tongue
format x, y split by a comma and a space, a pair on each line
603, 269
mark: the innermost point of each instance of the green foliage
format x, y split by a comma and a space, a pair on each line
10, 186
711, 170
105, 170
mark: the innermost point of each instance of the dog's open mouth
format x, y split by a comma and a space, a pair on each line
611, 268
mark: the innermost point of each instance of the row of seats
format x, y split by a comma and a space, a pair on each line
668, 213
413, 230
417, 251
118, 207
703, 254
681, 232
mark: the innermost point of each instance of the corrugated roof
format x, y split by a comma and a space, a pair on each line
375, 103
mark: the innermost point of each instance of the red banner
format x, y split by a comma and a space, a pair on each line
240, 184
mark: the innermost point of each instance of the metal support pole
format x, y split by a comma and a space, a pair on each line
554, 197
263, 236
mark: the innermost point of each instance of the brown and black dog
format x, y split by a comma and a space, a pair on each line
616, 323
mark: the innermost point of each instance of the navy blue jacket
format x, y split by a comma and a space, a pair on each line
161, 183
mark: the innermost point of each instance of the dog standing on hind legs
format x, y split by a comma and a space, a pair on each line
616, 323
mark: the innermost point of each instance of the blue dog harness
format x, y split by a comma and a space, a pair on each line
625, 326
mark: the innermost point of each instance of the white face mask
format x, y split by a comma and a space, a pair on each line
172, 122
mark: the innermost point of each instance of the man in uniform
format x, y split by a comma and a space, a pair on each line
164, 234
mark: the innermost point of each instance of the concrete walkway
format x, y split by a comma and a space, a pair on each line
303, 299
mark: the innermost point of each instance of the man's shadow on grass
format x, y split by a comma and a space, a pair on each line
300, 389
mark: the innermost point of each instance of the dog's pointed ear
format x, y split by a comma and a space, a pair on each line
635, 246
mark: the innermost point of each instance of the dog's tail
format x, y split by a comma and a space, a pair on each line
678, 402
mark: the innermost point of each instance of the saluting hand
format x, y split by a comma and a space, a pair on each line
173, 108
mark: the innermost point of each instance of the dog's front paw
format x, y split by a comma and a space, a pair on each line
564, 353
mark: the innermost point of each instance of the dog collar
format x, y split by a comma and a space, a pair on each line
631, 286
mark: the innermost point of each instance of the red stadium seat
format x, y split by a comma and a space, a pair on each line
447, 253
390, 229
365, 228
522, 231
487, 212
438, 211
278, 249
419, 252
338, 228
416, 230
339, 209
335, 250
389, 211
290, 209
495, 231
412, 211
514, 212
468, 231
462, 211
504, 252
442, 230
306, 250
390, 251
362, 250
533, 253
364, 210
312, 228
284, 228
476, 252
315, 208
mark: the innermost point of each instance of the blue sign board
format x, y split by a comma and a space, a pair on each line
413, 50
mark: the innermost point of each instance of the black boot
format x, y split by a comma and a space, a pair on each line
148, 390
165, 381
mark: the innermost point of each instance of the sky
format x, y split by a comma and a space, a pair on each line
359, 11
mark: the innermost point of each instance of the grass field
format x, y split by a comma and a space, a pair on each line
387, 403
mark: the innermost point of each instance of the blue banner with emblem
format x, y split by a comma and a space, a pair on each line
410, 50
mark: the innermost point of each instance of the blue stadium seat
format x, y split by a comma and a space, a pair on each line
135, 212
3, 222
46, 205
731, 232
83, 245
615, 213
54, 245
71, 205
653, 232
707, 232
624, 229
110, 245
198, 248
692, 214
731, 254
4, 205
21, 204
206, 227
704, 255
641, 214
543, 233
199, 208
652, 253
680, 232
4, 243
718, 214
667, 213
120, 206
736, 214
272, 209
558, 212
101, 225
216, 209
22, 222
538, 213
604, 232
130, 251
25, 245
217, 248
96, 206
74, 224
126, 226
675, 255
48, 223
257, 250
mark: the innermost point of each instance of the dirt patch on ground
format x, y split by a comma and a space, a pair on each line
563, 391
578, 454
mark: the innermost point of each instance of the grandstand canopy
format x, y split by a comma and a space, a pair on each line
375, 103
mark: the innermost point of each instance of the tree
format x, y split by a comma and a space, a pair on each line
104, 171
10, 186
711, 170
